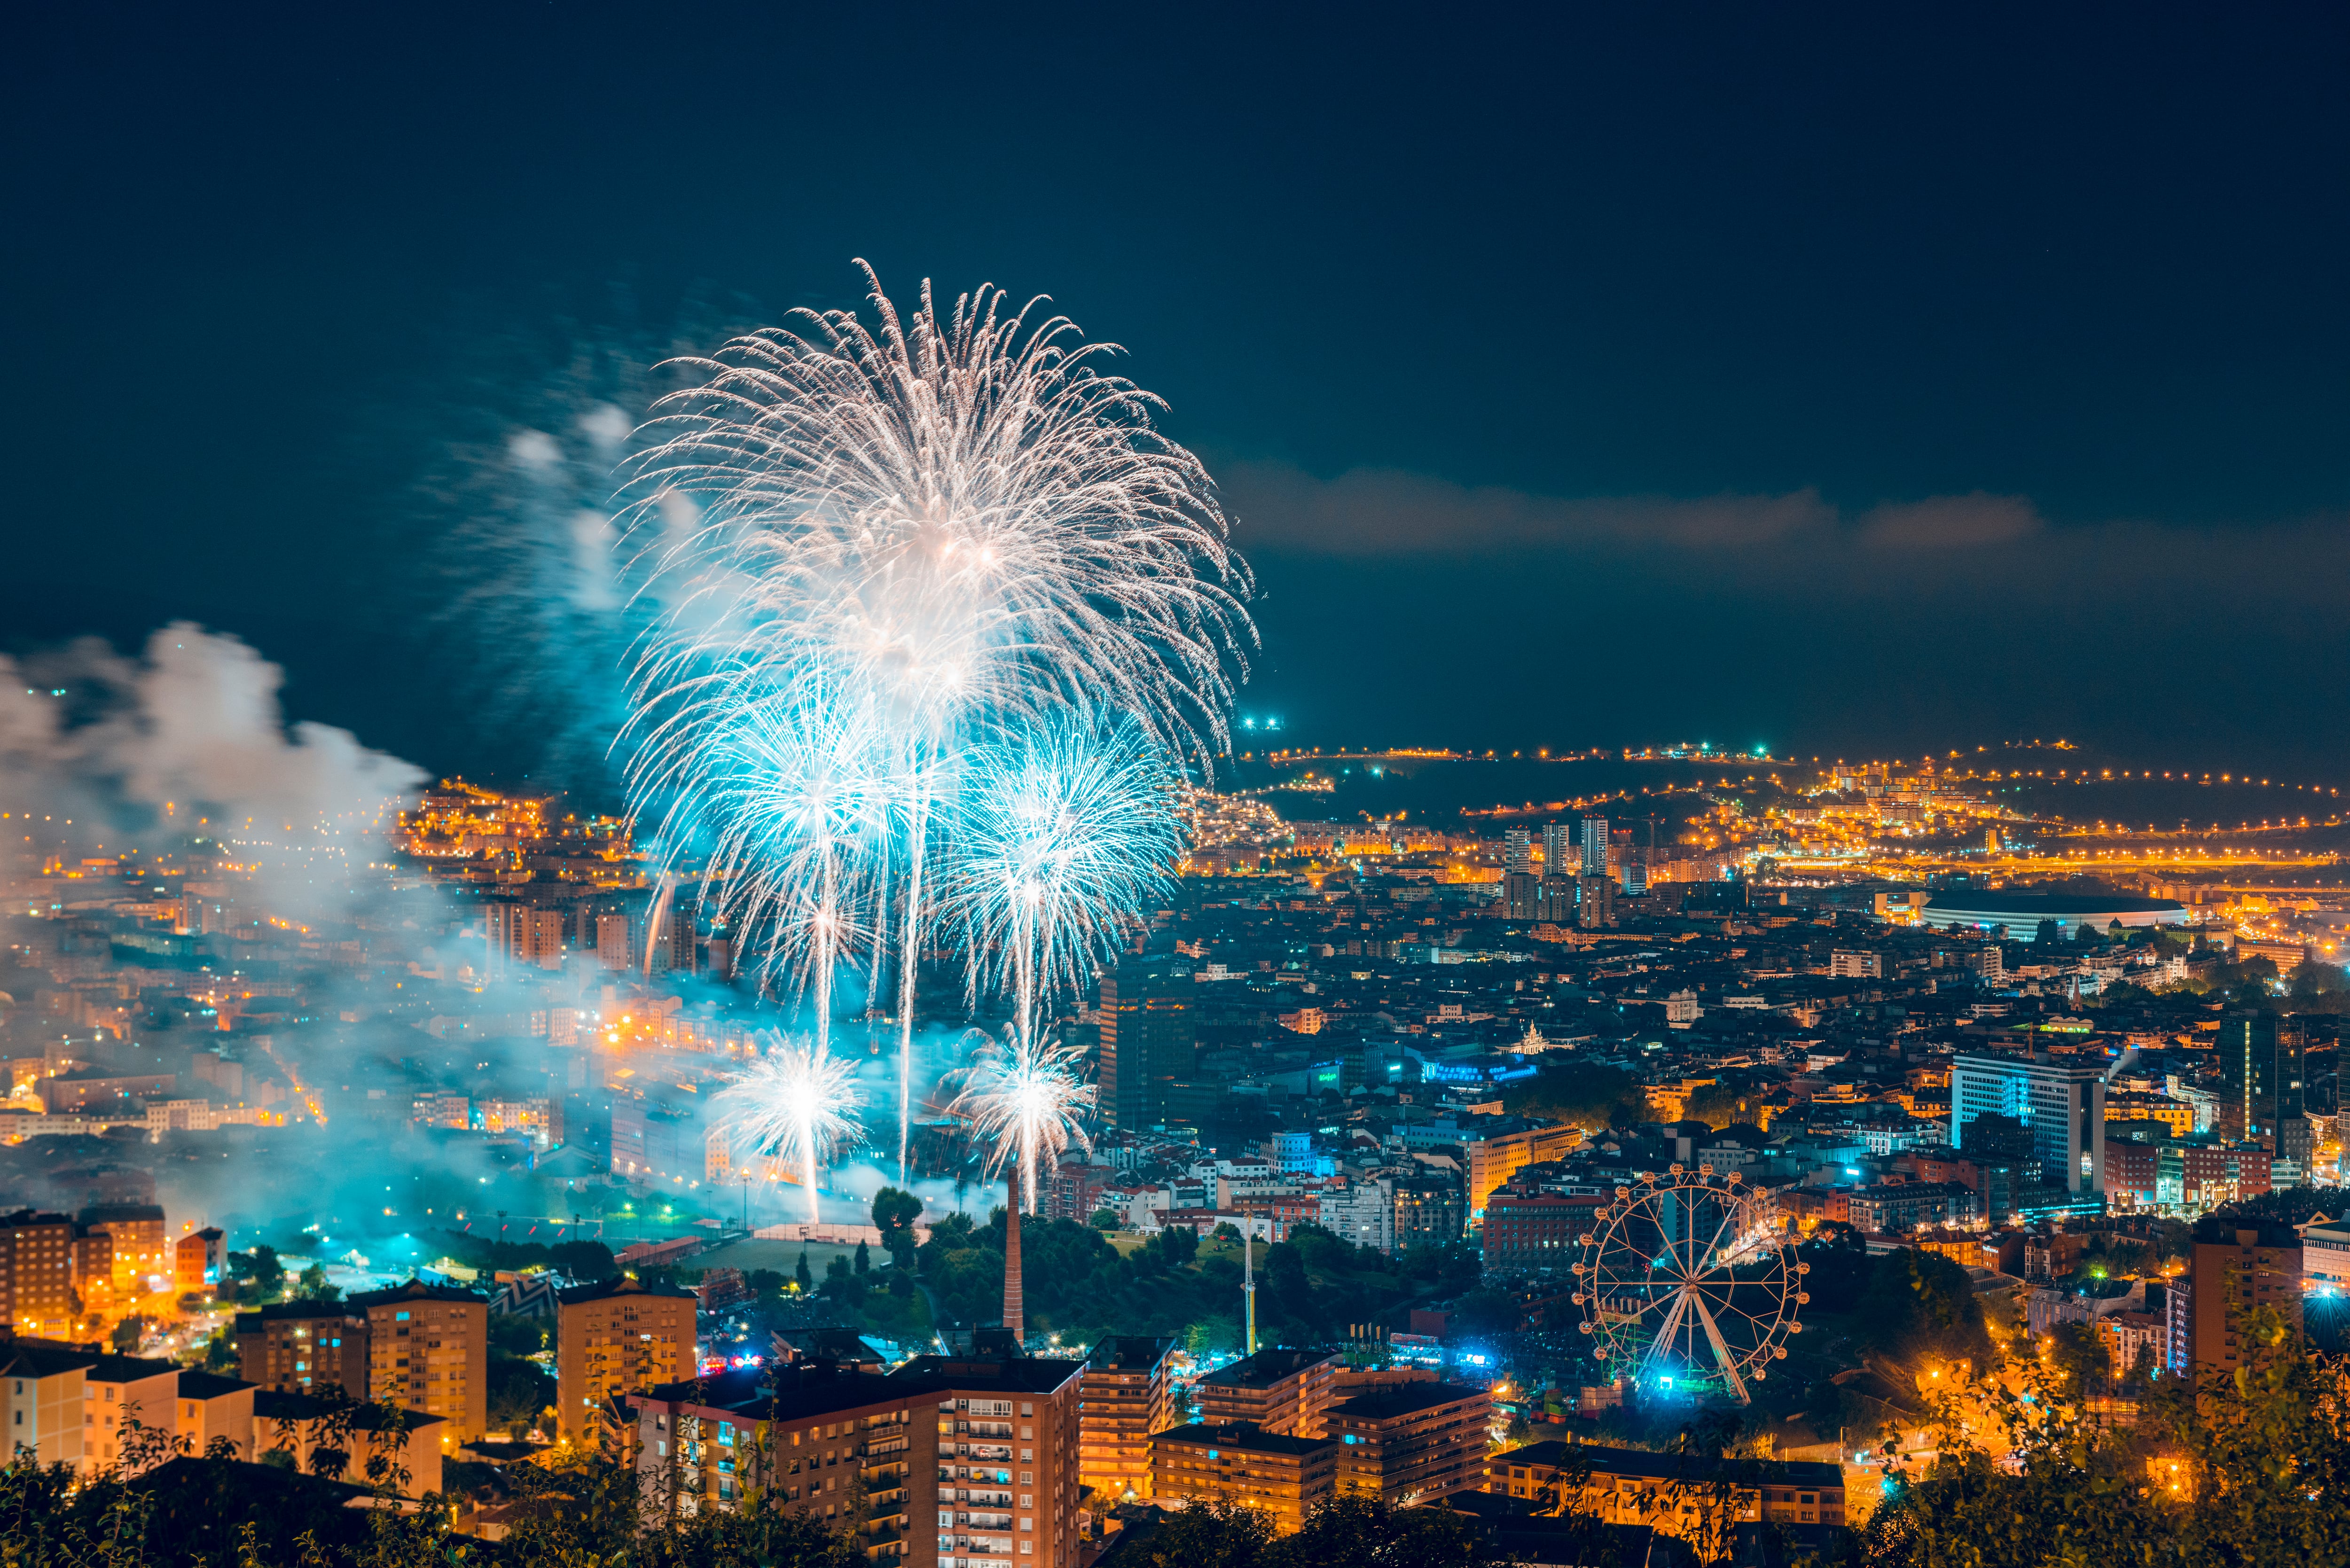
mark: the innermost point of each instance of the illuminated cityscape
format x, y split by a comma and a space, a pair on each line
1544, 789
1854, 986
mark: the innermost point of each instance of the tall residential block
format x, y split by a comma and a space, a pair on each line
1518, 851
430, 1350
1594, 846
615, 1338
1127, 1396
1560, 857
612, 946
519, 934
140, 1250
2234, 1270
37, 1274
1147, 1039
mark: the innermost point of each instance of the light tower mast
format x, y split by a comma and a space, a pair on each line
1248, 1282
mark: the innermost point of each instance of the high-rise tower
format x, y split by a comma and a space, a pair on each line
1147, 1038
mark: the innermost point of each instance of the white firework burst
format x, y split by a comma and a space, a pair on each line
795, 1102
1024, 1100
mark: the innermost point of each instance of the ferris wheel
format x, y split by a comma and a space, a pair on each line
1688, 1285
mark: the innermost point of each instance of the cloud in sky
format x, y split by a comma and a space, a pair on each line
1388, 512
1978, 545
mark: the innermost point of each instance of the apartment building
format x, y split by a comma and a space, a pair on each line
1283, 1475
141, 1250
1127, 1396
304, 1347
1534, 1231
129, 1411
1413, 1443
428, 1350
1278, 1392
37, 1274
968, 1462
213, 1409
2233, 1272
411, 1445
42, 1399
1501, 1146
1427, 1212
615, 1337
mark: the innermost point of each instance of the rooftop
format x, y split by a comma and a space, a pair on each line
1130, 1353
209, 1385
1244, 1438
1555, 1454
273, 1406
623, 1286
1405, 1399
417, 1291
1265, 1368
2049, 906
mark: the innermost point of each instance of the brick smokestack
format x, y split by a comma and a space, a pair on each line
1014, 1318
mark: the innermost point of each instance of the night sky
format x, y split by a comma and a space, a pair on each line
1847, 379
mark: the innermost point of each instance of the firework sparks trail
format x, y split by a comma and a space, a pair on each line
795, 1102
950, 522
1065, 829
791, 788
1024, 1099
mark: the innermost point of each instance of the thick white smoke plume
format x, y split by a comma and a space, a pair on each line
189, 742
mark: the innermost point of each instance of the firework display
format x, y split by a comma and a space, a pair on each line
1022, 1099
1062, 829
944, 616
797, 1103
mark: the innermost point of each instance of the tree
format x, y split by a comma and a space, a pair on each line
2313, 979
1210, 1535
1582, 1094
1351, 1532
864, 1260
1720, 1106
894, 1213
259, 1268
1921, 1307
2079, 1356
1841, 1266
590, 1262
803, 1275
2239, 1470
313, 1286
1104, 1219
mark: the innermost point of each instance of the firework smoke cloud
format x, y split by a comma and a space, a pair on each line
191, 736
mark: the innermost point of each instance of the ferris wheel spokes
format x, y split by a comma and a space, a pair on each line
1643, 1263
1722, 1356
